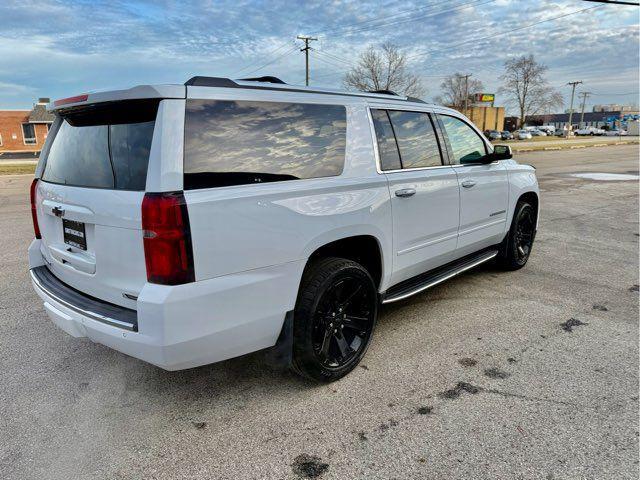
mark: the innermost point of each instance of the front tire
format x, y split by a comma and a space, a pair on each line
334, 318
516, 247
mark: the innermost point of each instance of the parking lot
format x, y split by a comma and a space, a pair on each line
526, 375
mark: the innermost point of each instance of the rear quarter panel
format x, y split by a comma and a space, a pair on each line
240, 228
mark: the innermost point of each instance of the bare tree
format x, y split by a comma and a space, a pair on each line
384, 69
526, 87
453, 89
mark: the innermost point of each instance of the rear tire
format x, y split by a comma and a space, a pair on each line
516, 247
334, 318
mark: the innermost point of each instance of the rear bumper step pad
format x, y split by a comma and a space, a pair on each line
83, 304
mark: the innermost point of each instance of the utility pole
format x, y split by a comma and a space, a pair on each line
573, 91
466, 94
306, 54
584, 96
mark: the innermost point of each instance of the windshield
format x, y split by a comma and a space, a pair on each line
103, 147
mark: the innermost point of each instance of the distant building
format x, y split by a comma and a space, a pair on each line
614, 107
591, 119
511, 123
25, 130
485, 117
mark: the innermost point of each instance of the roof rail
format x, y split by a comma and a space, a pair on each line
385, 92
266, 79
279, 85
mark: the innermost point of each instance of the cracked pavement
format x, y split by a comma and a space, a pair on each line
475, 378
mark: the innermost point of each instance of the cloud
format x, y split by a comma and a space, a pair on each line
54, 48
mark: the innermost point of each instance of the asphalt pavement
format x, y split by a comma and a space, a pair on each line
523, 375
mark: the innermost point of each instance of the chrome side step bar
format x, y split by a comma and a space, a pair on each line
423, 282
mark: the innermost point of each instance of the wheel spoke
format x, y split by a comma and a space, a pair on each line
350, 297
326, 343
359, 324
345, 349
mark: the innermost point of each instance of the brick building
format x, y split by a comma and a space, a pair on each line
484, 117
24, 131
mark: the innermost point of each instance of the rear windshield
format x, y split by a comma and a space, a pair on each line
241, 142
103, 146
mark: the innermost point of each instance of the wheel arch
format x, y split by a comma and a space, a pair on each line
531, 197
365, 249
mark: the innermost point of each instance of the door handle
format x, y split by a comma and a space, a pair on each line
405, 192
468, 183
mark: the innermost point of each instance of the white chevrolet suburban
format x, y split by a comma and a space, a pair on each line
188, 224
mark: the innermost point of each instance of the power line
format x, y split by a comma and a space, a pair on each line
615, 2
474, 3
268, 54
386, 18
628, 93
291, 50
475, 40
372, 27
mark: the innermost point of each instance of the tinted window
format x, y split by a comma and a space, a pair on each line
99, 147
466, 145
387, 147
130, 145
238, 142
416, 139
80, 156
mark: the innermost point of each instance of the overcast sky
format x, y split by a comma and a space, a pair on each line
60, 48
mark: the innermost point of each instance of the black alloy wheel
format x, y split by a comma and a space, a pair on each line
334, 318
517, 245
342, 323
524, 232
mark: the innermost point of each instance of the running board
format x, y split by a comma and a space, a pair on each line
427, 280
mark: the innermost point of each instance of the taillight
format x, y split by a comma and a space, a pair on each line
34, 216
167, 238
76, 99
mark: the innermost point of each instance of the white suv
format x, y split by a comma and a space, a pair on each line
188, 224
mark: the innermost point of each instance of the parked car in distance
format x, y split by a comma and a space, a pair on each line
548, 129
523, 135
560, 132
188, 224
537, 133
616, 133
586, 131
506, 135
493, 135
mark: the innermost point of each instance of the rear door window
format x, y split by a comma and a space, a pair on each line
242, 142
387, 146
405, 140
103, 146
416, 139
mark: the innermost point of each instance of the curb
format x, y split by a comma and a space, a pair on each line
571, 147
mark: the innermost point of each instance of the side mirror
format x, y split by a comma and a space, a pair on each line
501, 152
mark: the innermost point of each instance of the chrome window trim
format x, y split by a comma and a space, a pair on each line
375, 142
